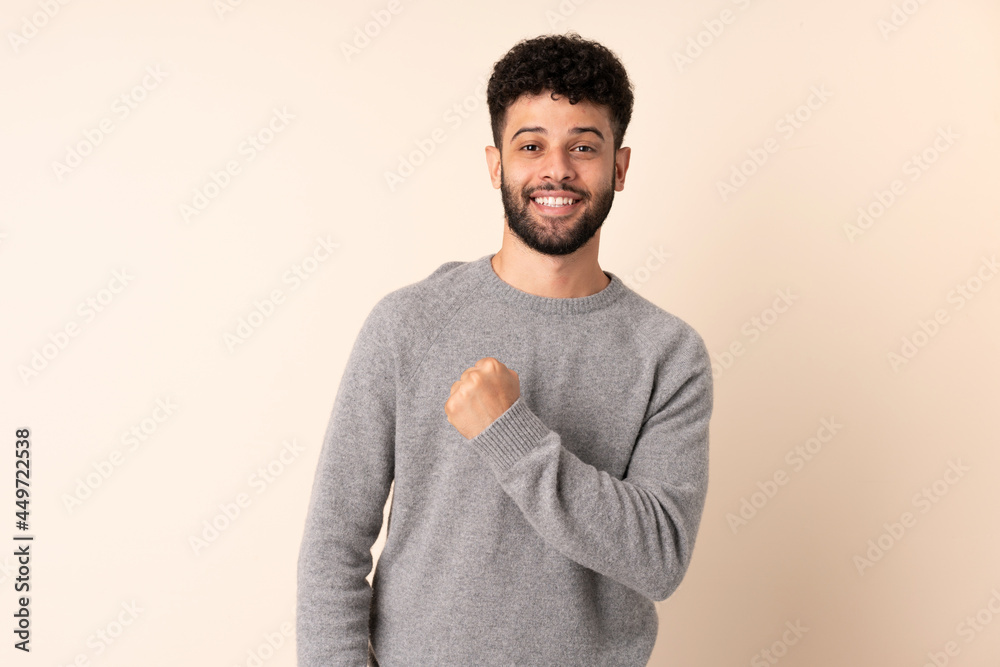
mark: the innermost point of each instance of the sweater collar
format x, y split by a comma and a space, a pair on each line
495, 285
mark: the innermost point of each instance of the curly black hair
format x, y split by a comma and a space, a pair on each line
569, 66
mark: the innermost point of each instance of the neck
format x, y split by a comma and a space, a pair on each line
556, 276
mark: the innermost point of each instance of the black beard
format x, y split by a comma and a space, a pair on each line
563, 241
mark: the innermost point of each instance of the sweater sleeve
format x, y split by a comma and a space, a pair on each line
350, 487
639, 530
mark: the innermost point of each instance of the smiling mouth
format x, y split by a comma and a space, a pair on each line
556, 205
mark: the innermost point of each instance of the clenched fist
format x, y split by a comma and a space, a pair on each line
482, 393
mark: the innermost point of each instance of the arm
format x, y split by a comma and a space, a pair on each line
349, 491
640, 530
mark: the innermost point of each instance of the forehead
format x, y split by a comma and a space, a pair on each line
555, 115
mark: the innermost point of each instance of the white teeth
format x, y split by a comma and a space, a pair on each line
554, 201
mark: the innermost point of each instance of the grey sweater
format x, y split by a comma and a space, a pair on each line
543, 540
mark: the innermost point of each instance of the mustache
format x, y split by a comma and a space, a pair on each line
526, 192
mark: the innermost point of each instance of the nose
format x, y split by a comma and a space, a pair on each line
558, 166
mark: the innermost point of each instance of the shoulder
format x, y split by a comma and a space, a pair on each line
445, 287
670, 338
683, 366
415, 312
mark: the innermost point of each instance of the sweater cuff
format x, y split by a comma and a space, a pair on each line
510, 436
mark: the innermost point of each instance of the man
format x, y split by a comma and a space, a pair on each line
546, 426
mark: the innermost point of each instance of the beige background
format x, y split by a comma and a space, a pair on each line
162, 336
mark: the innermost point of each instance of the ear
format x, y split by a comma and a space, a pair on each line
621, 166
493, 164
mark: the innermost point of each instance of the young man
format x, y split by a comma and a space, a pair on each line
546, 426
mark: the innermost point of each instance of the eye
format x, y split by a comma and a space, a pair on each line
529, 146
588, 148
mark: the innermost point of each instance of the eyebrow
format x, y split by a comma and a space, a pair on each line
541, 130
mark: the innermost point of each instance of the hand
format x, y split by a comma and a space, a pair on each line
482, 393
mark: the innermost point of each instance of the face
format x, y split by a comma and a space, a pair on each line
558, 172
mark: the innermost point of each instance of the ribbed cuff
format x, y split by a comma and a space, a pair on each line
511, 435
